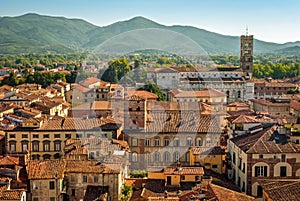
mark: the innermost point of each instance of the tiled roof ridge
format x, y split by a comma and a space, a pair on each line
278, 147
143, 191
271, 129
292, 147
227, 189
248, 117
290, 183
8, 158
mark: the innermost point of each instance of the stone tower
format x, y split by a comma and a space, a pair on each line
246, 57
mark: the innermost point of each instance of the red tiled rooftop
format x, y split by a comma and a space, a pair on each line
90, 80
9, 160
140, 95
184, 170
278, 190
47, 169
224, 194
205, 93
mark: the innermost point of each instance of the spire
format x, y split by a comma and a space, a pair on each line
247, 31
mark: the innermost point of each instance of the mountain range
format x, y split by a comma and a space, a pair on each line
33, 33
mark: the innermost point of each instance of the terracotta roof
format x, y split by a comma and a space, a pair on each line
7, 87
280, 84
240, 112
45, 105
205, 93
163, 199
140, 95
13, 194
104, 146
75, 124
207, 150
243, 119
9, 160
89, 81
143, 194
184, 170
91, 166
94, 193
6, 106
277, 190
238, 104
296, 106
244, 142
265, 142
173, 122
47, 169
101, 105
224, 194
80, 88
136, 183
29, 86
179, 106
163, 70
269, 103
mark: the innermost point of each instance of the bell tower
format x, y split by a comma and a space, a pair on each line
246, 56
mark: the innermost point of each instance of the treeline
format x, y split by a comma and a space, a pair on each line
276, 71
36, 60
44, 78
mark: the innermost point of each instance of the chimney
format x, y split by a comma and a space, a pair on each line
166, 194
9, 184
62, 122
206, 180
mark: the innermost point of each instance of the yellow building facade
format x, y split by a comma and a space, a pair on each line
212, 158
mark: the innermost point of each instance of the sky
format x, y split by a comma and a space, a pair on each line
269, 20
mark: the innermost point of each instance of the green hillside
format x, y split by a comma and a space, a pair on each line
33, 33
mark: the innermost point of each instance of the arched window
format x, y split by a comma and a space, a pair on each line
156, 157
134, 157
189, 141
57, 145
239, 94
147, 142
208, 141
36, 146
35, 157
166, 141
134, 142
176, 142
46, 145
157, 141
24, 146
12, 146
176, 156
56, 156
46, 156
228, 94
147, 157
187, 157
166, 156
199, 141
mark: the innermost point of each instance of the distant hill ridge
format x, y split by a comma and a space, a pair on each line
33, 33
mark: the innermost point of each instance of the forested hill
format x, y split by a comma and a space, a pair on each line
33, 33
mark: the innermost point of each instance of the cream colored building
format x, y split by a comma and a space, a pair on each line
261, 155
46, 140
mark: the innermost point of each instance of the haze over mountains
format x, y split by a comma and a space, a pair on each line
33, 33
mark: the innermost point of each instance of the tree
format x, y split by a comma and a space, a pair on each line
126, 192
116, 70
153, 88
